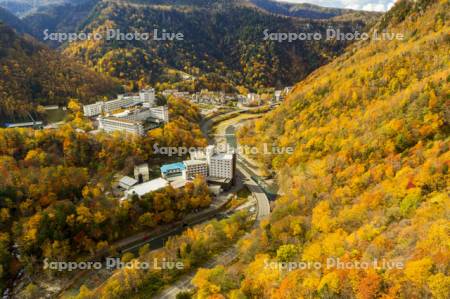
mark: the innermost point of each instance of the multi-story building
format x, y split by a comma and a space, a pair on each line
217, 169
135, 121
107, 107
160, 113
146, 97
111, 124
222, 166
93, 109
194, 168
121, 102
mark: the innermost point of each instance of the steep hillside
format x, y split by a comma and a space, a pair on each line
32, 74
369, 178
64, 17
223, 44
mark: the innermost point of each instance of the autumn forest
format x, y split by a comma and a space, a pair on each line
361, 207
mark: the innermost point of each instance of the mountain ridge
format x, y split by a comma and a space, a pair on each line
224, 44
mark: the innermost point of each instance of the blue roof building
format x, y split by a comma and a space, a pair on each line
173, 169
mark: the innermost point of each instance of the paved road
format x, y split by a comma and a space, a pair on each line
225, 258
262, 201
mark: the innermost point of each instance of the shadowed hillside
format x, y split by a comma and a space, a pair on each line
32, 74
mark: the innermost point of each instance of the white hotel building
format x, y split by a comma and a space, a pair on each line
212, 164
161, 113
111, 124
135, 121
146, 97
221, 166
194, 168
93, 109
217, 168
